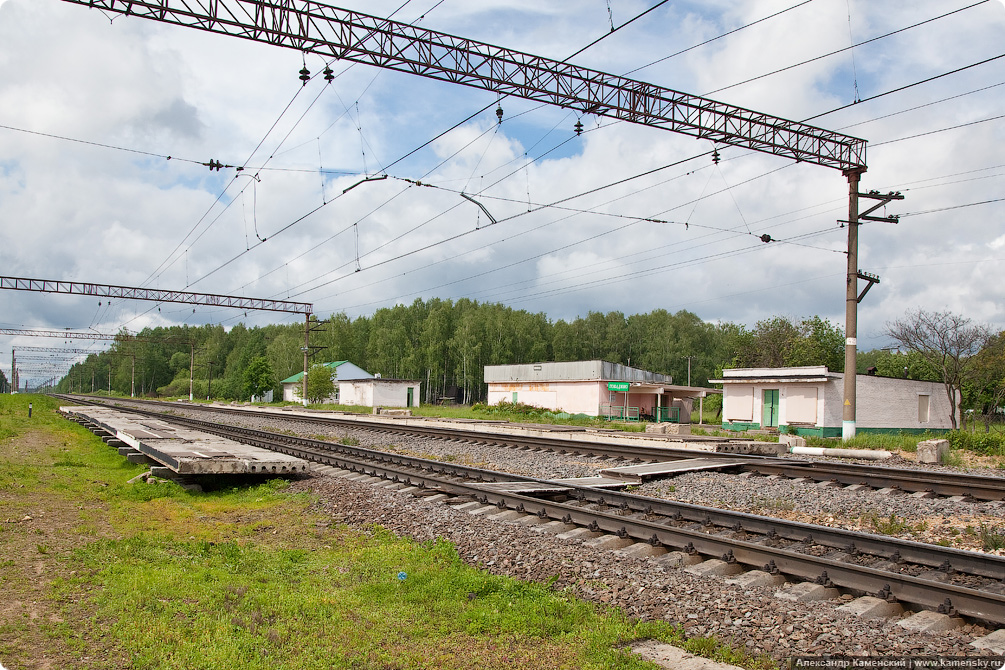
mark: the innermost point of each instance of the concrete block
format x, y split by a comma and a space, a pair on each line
506, 515
934, 575
553, 527
995, 642
609, 542
409, 489
922, 494
679, 559
482, 510
792, 440
125, 451
532, 520
805, 592
642, 550
465, 507
578, 533
870, 607
930, 622
857, 487
140, 459
753, 447
161, 471
715, 568
668, 656
933, 451
437, 497
887, 491
756, 578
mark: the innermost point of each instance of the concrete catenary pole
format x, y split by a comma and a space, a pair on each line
307, 348
851, 308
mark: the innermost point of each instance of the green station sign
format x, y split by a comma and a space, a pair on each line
617, 386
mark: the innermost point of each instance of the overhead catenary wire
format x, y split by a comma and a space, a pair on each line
793, 241
842, 50
939, 130
907, 86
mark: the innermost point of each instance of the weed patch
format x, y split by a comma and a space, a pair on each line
992, 538
893, 526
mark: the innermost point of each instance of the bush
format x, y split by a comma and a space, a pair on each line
988, 444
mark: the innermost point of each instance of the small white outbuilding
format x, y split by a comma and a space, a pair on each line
809, 400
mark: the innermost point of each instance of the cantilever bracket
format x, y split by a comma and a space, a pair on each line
871, 278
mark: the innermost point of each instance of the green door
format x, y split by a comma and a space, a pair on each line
411, 396
769, 409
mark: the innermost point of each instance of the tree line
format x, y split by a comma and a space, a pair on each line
446, 344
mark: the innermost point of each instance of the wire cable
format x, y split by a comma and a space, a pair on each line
842, 50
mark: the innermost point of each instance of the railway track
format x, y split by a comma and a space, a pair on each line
919, 576
976, 487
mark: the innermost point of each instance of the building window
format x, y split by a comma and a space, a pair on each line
923, 408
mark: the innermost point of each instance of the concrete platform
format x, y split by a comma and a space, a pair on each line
638, 474
186, 451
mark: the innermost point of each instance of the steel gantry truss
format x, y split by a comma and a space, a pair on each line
334, 33
331, 32
65, 334
155, 295
58, 350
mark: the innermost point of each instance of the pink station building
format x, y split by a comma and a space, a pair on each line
594, 388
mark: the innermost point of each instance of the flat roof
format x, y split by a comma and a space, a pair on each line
595, 370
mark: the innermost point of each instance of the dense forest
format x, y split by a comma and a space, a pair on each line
446, 344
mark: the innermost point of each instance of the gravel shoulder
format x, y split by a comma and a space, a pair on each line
752, 619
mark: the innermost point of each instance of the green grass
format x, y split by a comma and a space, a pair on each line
892, 526
992, 539
886, 441
254, 577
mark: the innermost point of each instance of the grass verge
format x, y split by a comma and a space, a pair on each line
100, 573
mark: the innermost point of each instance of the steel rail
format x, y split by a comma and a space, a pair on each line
626, 522
910, 481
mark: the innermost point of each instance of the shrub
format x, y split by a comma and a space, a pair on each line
988, 444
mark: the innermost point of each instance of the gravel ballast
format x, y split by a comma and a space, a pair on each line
751, 618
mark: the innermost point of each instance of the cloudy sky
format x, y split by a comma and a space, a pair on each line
624, 217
